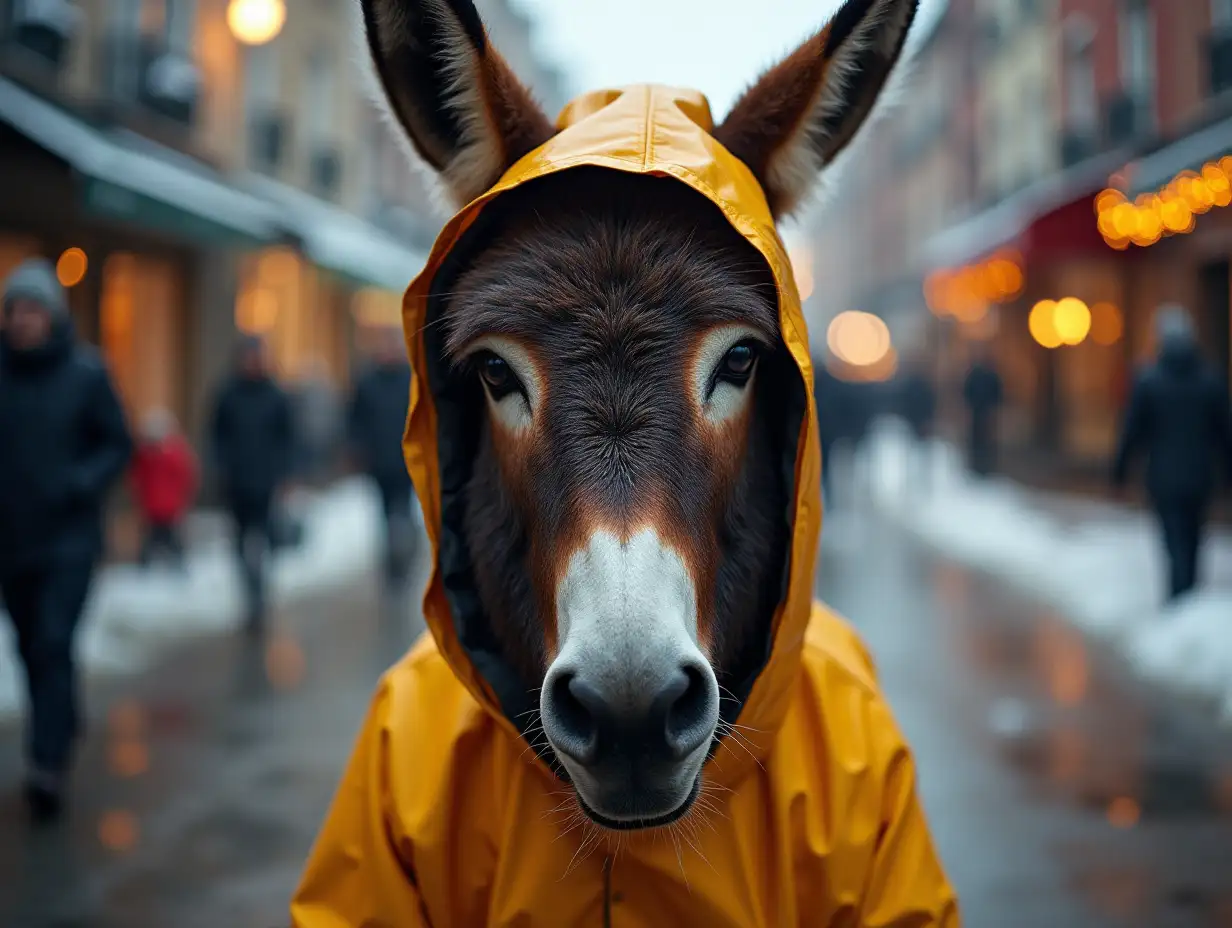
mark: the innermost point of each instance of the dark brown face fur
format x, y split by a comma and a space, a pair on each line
609, 283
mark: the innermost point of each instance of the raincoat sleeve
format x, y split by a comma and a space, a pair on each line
906, 884
359, 871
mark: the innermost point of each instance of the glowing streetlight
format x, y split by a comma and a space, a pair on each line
1041, 324
71, 267
1071, 318
255, 22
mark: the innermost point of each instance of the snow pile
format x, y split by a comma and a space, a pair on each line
1099, 565
132, 613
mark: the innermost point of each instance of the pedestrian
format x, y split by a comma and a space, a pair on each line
376, 420
164, 480
982, 392
828, 394
316, 408
253, 443
63, 442
915, 400
1178, 418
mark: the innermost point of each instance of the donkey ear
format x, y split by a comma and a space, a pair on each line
465, 112
804, 110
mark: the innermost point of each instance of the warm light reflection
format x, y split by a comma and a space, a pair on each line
255, 22
285, 662
71, 267
118, 831
126, 719
1107, 324
1123, 812
1040, 323
859, 339
128, 758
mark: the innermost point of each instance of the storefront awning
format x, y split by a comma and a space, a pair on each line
132, 179
1009, 223
1189, 153
340, 241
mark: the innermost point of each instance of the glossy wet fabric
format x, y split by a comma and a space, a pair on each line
446, 816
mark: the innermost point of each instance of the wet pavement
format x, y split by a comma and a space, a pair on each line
1060, 792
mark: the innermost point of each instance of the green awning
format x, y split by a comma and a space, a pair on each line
131, 179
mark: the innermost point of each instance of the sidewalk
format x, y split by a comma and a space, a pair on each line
132, 615
1099, 564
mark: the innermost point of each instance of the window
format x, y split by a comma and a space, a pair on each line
180, 25
1138, 52
261, 84
1221, 15
318, 102
1081, 101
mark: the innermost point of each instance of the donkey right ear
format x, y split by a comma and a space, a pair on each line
463, 109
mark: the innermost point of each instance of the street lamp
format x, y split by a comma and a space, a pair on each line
255, 22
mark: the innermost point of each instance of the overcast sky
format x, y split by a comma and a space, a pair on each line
715, 46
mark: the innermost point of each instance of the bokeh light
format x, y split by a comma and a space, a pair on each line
858, 338
802, 270
118, 831
1123, 812
255, 22
1169, 211
1107, 324
1041, 324
1071, 320
71, 267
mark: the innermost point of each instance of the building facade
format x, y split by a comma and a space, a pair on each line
195, 178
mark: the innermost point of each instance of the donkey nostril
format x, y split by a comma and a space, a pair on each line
576, 710
690, 712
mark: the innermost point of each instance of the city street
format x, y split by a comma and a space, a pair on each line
1061, 793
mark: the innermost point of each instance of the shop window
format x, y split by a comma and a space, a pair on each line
296, 308
144, 358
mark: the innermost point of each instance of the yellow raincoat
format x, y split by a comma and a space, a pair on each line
445, 817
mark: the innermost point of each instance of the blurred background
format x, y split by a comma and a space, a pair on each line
982, 278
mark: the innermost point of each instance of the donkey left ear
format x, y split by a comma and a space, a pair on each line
804, 110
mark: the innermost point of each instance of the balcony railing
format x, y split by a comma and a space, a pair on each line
142, 72
44, 28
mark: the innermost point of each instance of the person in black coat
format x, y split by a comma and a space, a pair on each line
914, 398
376, 420
252, 435
982, 392
63, 442
1179, 418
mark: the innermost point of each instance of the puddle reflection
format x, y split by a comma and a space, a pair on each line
118, 831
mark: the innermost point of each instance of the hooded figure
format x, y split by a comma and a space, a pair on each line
1179, 417
63, 442
445, 814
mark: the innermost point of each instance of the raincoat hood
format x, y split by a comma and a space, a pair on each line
642, 130
445, 817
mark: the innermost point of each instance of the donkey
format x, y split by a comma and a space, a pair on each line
631, 413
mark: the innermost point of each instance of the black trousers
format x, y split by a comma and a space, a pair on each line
162, 537
396, 507
251, 514
1181, 523
44, 603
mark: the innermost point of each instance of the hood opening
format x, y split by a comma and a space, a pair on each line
460, 410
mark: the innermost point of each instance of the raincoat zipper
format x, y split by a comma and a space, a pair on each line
607, 892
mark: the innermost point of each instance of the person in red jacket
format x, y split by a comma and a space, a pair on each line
164, 478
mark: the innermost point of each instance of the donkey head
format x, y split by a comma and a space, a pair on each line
625, 510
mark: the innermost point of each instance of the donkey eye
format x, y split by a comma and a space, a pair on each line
737, 365
497, 375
